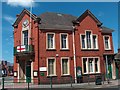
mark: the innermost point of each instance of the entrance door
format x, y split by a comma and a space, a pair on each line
117, 71
109, 69
28, 71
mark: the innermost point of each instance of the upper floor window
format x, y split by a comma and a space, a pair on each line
83, 41
95, 46
107, 42
50, 41
25, 37
88, 37
89, 41
64, 41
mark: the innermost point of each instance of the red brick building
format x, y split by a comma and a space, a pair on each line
61, 45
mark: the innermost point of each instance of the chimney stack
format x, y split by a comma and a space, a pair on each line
118, 50
17, 15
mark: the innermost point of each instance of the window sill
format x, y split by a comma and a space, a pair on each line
64, 49
51, 76
91, 73
63, 75
108, 49
89, 49
50, 49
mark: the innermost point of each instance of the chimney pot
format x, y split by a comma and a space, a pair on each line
17, 15
118, 50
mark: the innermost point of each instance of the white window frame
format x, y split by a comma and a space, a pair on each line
47, 40
108, 42
87, 67
96, 41
54, 66
81, 41
68, 66
67, 45
91, 37
23, 37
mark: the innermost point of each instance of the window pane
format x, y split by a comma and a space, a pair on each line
50, 40
88, 35
64, 66
84, 64
83, 41
51, 66
64, 41
90, 62
96, 64
94, 42
107, 42
25, 37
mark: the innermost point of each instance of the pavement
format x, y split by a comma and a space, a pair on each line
80, 86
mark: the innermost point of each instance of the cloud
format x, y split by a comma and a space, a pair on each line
100, 14
9, 19
22, 3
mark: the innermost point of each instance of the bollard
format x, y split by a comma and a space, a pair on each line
39, 80
51, 82
28, 85
3, 83
88, 79
71, 80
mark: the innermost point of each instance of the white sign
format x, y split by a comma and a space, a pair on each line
43, 69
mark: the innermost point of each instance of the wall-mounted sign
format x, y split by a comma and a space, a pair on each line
79, 71
43, 68
35, 73
15, 73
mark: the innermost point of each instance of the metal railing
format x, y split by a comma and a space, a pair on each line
49, 82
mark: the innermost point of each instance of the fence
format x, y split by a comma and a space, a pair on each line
51, 82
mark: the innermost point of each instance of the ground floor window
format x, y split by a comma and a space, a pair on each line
51, 66
91, 65
65, 66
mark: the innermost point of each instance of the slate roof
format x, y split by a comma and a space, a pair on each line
106, 30
117, 56
56, 21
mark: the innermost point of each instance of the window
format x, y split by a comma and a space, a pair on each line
51, 67
88, 37
83, 41
107, 42
64, 41
65, 66
89, 41
85, 65
50, 41
25, 37
95, 42
96, 64
91, 65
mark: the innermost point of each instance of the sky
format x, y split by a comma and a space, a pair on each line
106, 12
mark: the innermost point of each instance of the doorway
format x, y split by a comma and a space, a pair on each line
28, 71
